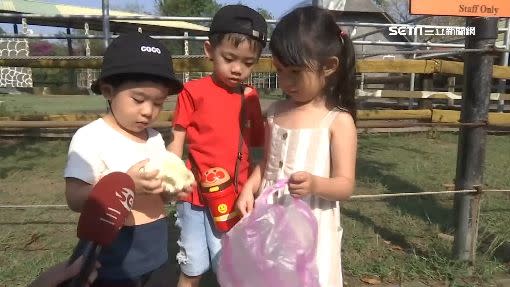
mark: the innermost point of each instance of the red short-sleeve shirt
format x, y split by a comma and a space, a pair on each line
211, 115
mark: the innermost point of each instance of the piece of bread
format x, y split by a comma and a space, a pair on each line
172, 170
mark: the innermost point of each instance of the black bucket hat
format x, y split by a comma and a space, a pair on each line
136, 53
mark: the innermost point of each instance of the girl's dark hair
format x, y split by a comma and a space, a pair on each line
307, 37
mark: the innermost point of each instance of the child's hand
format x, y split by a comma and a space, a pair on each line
301, 183
245, 201
173, 172
178, 195
145, 182
183, 194
61, 272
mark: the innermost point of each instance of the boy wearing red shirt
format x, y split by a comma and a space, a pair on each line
208, 118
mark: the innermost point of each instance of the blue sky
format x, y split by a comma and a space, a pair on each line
276, 7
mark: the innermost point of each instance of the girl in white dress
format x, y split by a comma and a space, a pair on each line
311, 136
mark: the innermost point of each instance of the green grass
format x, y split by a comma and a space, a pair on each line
397, 239
394, 240
274, 94
26, 104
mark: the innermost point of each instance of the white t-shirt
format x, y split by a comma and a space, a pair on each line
97, 149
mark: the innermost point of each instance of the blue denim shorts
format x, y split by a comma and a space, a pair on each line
199, 241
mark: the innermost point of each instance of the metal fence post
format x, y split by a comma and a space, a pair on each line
106, 22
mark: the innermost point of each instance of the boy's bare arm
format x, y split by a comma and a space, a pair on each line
77, 192
255, 178
177, 144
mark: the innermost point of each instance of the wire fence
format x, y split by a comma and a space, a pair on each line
357, 197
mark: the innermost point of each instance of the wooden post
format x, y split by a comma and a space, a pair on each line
451, 89
471, 146
475, 217
427, 85
413, 77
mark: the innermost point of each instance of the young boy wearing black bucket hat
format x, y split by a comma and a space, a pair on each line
136, 78
219, 118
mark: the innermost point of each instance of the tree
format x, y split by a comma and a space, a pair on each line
267, 15
197, 8
397, 9
186, 8
42, 48
49, 77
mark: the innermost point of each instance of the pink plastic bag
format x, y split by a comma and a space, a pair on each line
274, 245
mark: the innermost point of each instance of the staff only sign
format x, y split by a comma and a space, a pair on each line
466, 8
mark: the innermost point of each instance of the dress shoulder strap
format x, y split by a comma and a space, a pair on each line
328, 119
270, 112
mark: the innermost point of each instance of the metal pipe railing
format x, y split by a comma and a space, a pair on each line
200, 19
204, 38
115, 17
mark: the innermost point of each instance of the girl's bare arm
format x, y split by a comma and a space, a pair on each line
343, 161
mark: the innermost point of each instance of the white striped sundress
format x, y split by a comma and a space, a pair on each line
308, 149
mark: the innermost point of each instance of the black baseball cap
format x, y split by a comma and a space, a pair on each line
240, 19
137, 53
